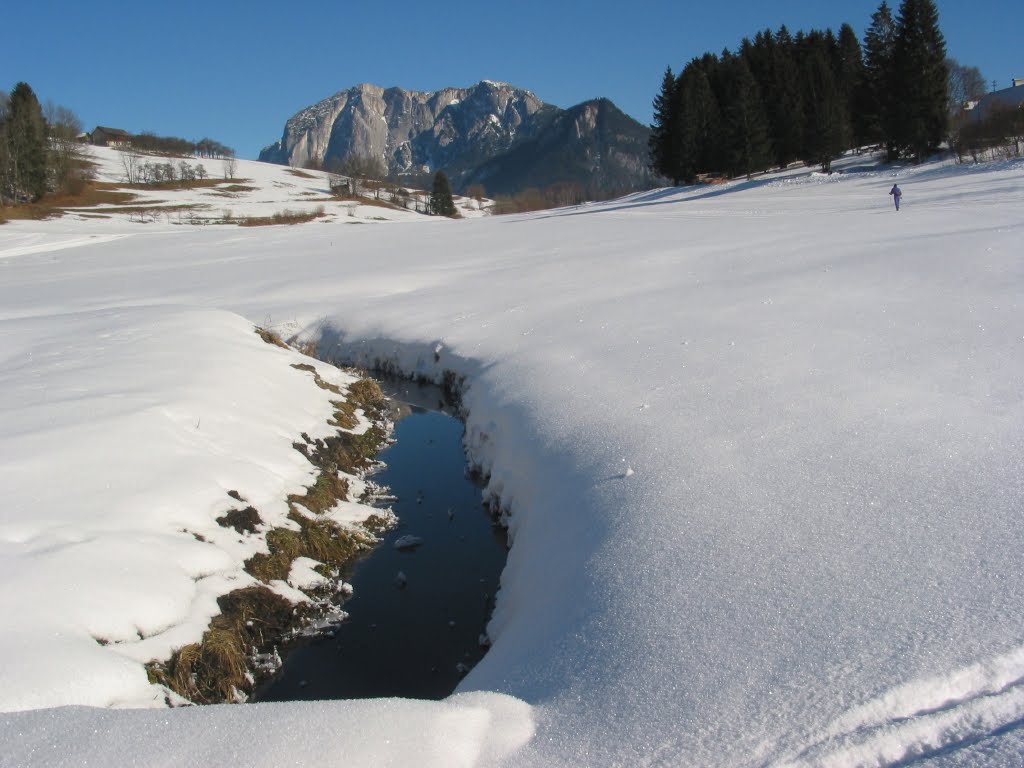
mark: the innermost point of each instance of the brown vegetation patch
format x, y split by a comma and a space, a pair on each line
320, 539
281, 217
344, 452
91, 194
316, 377
371, 201
323, 494
233, 190
271, 337
300, 174
216, 668
242, 520
182, 184
229, 661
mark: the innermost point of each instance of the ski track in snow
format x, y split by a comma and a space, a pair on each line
44, 244
924, 719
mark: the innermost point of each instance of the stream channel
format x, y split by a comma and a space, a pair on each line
413, 637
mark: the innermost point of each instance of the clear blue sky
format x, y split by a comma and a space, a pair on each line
235, 71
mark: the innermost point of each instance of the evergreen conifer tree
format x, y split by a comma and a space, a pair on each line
921, 80
704, 122
826, 131
441, 203
878, 102
25, 138
850, 82
783, 101
747, 145
664, 139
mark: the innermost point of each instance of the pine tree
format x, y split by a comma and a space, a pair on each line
714, 153
441, 203
850, 82
784, 104
826, 133
25, 135
664, 139
705, 122
877, 107
746, 132
921, 80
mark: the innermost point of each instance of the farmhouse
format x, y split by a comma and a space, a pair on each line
1012, 97
111, 137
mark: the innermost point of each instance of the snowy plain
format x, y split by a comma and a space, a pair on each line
759, 447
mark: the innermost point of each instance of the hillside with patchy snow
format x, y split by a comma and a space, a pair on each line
758, 446
255, 192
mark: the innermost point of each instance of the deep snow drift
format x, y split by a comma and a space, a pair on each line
760, 447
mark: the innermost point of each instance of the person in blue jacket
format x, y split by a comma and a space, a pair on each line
896, 193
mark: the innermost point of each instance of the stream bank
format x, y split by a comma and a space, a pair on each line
423, 596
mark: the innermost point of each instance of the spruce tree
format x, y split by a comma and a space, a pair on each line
714, 156
698, 123
850, 82
826, 132
746, 132
25, 133
664, 139
706, 121
877, 106
783, 101
441, 203
921, 80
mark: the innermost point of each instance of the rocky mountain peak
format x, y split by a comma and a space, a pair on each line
416, 133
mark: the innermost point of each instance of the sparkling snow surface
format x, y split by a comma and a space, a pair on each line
760, 445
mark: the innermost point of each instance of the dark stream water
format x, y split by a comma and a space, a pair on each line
417, 640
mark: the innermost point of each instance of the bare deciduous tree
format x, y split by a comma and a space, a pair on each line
131, 162
965, 85
230, 164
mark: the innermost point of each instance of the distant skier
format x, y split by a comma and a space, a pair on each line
896, 193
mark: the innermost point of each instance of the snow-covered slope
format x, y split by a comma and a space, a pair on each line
256, 189
760, 447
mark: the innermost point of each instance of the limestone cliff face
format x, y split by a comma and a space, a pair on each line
412, 131
493, 134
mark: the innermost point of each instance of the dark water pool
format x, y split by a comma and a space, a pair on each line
417, 640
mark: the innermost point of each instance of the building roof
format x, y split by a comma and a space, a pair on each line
1007, 97
112, 131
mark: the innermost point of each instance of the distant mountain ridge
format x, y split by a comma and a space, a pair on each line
491, 134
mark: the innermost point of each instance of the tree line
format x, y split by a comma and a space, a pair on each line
173, 145
806, 97
39, 149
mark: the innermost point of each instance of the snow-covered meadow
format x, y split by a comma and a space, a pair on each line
759, 446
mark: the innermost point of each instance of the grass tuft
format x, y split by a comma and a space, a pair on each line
271, 337
319, 539
216, 669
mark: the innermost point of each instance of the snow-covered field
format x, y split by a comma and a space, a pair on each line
760, 447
